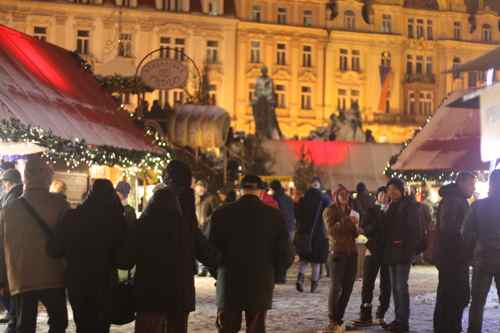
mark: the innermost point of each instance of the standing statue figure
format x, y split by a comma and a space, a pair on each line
263, 107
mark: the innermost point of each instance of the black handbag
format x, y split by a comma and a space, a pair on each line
123, 310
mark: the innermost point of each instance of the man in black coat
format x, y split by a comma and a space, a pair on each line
402, 237
481, 235
168, 242
373, 229
254, 242
453, 290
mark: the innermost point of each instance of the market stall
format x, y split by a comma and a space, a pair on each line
49, 104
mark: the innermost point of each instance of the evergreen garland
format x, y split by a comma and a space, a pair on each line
76, 153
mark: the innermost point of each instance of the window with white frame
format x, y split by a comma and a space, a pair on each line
425, 103
83, 42
125, 45
354, 99
430, 30
420, 29
385, 59
486, 33
419, 64
280, 96
40, 33
387, 23
411, 28
355, 61
457, 30
282, 15
165, 45
349, 20
172, 48
411, 103
429, 68
255, 52
306, 98
212, 52
256, 13
341, 99
409, 64
308, 18
344, 60
212, 94
281, 54
307, 56
172, 5
251, 93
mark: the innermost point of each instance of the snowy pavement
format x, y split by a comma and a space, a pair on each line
307, 313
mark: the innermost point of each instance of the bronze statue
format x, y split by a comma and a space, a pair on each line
263, 107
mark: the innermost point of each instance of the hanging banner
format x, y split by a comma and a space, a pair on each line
490, 123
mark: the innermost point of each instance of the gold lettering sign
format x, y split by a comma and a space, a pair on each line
164, 74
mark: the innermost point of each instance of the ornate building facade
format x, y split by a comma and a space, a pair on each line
385, 58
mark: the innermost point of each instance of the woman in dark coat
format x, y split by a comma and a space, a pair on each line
168, 242
310, 226
93, 239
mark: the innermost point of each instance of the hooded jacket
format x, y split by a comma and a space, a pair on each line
402, 232
448, 245
481, 234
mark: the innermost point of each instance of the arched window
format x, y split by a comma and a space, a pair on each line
486, 33
349, 20
456, 62
385, 59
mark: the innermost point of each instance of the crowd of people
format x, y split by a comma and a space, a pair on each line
246, 238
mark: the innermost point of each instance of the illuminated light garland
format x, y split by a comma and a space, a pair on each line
77, 153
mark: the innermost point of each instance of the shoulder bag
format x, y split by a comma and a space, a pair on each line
53, 248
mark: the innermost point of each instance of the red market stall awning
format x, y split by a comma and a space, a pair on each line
44, 85
451, 141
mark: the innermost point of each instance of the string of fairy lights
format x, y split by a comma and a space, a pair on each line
440, 176
77, 153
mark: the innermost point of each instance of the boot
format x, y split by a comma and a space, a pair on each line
365, 316
314, 286
300, 283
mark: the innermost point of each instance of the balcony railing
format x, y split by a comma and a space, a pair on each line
399, 118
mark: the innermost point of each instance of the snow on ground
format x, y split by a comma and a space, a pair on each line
307, 313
